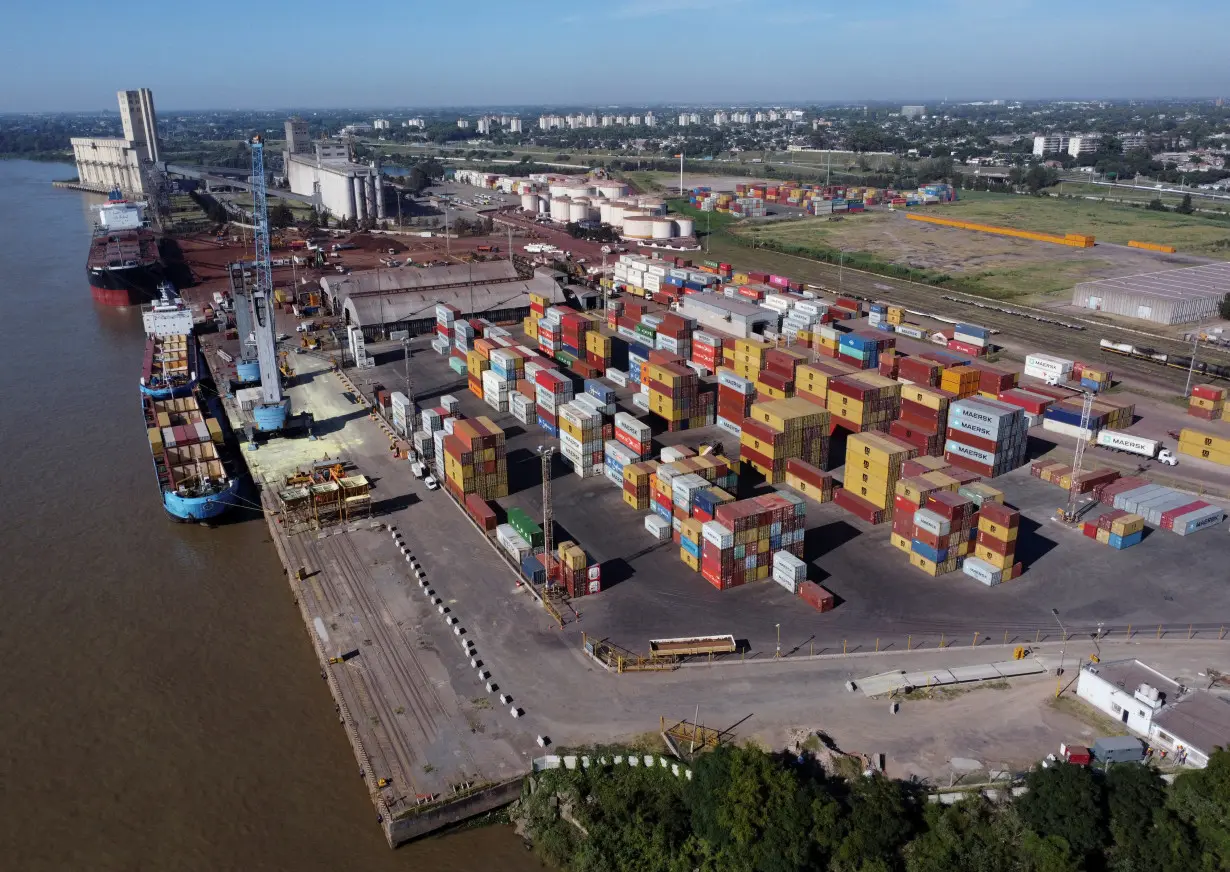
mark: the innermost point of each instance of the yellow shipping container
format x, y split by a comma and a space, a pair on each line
790, 415
924, 396
877, 449
688, 560
1200, 439
899, 542
999, 561
1221, 458
1127, 525
530, 325
997, 531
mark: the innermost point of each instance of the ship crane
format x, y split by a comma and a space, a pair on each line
1069, 514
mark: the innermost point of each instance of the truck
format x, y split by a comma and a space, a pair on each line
1117, 440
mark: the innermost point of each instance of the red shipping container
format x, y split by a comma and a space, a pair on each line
966, 348
816, 596
951, 505
903, 524
858, 506
1209, 392
481, 512
1168, 518
999, 546
808, 473
967, 438
1031, 402
1000, 515
1204, 414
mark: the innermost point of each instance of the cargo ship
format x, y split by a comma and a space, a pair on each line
195, 467
192, 462
170, 367
124, 266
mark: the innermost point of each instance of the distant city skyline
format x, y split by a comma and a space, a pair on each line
627, 52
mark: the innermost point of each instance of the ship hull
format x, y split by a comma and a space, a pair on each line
125, 286
197, 509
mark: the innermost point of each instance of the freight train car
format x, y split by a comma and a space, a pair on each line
1178, 361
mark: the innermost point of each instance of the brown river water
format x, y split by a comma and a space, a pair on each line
160, 708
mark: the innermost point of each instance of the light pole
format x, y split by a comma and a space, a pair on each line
841, 263
1062, 648
778, 654
1192, 367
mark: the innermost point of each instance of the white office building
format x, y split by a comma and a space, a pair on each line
381, 124
913, 111
514, 125
1186, 722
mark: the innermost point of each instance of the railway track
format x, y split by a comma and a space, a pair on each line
1018, 334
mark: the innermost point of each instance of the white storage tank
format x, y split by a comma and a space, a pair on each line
684, 226
579, 189
655, 207
638, 227
578, 210
544, 204
610, 188
558, 189
560, 209
617, 214
604, 212
663, 228
529, 202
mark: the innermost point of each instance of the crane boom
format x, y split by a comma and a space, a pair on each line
271, 414
1078, 460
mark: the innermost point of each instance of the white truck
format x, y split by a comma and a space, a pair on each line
418, 469
1117, 440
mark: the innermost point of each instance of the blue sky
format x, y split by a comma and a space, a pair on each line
380, 53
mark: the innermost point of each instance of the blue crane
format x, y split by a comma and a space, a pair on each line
271, 413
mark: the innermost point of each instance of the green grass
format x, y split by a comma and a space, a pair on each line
714, 221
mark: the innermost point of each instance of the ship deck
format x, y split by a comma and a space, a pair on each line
169, 360
123, 248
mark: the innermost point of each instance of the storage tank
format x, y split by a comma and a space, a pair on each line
610, 188
559, 209
529, 202
684, 226
663, 228
638, 227
617, 214
655, 207
578, 210
558, 189
580, 189
604, 212
544, 204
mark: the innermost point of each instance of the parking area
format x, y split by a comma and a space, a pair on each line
649, 593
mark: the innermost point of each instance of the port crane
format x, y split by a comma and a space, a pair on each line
1069, 514
270, 412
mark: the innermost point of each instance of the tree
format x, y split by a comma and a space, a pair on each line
1201, 799
1066, 802
1156, 205
882, 819
1224, 308
281, 216
961, 836
1185, 207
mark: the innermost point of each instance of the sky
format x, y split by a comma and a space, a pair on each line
380, 53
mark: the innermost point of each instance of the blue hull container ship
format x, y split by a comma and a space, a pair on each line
195, 468
192, 462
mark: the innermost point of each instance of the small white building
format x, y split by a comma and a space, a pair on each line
1183, 721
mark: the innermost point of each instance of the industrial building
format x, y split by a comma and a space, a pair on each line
297, 140
1175, 296
1185, 722
346, 189
913, 111
107, 163
405, 298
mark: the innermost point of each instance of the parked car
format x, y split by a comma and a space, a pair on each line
431, 482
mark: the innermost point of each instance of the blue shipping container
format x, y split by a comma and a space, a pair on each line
935, 555
1121, 542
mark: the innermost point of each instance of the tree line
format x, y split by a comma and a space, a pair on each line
748, 811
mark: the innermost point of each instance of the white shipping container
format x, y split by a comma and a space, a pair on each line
1049, 363
1072, 430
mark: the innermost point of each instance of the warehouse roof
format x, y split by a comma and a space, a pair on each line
1128, 675
1199, 719
1191, 282
388, 296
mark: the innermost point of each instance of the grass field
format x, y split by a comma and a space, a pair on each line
1109, 222
1002, 267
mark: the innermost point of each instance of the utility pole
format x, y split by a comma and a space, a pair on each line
548, 516
448, 247
1062, 648
1082, 440
405, 345
1187, 391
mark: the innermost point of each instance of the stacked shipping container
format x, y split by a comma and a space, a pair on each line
781, 429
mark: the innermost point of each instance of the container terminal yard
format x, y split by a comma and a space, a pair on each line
453, 664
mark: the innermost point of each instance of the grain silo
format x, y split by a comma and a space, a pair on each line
663, 228
611, 188
578, 210
684, 226
560, 209
529, 202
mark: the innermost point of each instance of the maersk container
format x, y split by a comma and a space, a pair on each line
980, 570
932, 522
1201, 519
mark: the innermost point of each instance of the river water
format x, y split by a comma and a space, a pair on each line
159, 703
